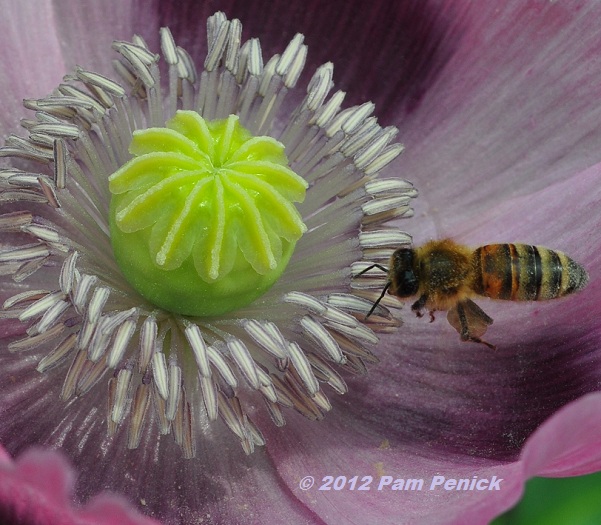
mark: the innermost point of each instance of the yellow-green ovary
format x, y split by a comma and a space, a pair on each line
202, 219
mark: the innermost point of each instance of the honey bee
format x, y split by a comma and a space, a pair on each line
444, 275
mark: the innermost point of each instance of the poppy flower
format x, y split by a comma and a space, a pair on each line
175, 407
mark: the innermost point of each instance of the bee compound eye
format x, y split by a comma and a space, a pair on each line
407, 284
405, 281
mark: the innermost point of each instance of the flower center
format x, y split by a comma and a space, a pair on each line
201, 219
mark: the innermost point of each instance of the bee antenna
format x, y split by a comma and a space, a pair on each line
378, 266
379, 299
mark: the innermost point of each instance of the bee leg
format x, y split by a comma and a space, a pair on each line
465, 330
419, 305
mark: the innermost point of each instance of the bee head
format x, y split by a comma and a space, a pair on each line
403, 273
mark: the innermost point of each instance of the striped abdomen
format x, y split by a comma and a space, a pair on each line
520, 272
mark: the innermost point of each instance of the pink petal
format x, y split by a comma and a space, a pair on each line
87, 33
432, 393
569, 443
37, 489
31, 62
513, 109
349, 448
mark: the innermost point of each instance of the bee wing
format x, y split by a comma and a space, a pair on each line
475, 318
